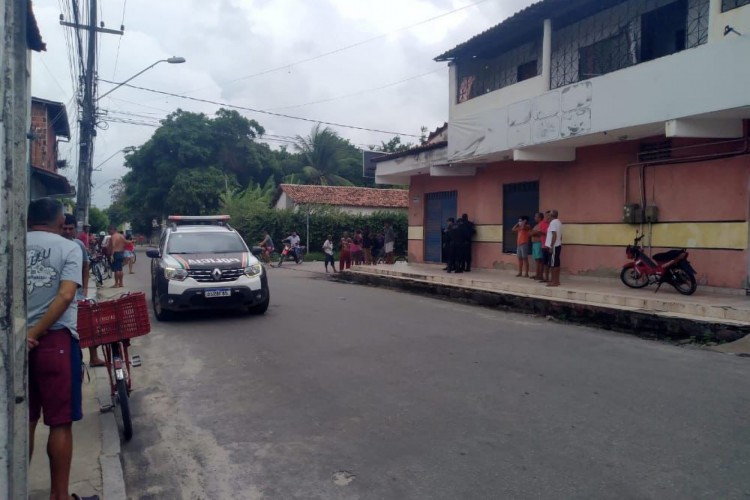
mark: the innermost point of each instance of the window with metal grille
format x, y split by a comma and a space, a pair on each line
733, 4
655, 151
623, 35
481, 75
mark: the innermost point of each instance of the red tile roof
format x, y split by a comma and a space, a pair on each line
346, 196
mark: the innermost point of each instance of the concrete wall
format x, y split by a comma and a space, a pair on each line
703, 206
738, 19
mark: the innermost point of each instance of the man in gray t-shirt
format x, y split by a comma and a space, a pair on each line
53, 276
52, 260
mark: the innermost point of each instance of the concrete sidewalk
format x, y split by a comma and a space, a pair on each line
96, 467
709, 314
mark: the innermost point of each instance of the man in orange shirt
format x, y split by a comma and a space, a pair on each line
523, 231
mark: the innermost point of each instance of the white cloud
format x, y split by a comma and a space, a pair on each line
224, 40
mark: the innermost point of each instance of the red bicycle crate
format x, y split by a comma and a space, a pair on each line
113, 320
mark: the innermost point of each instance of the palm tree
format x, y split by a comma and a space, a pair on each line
322, 155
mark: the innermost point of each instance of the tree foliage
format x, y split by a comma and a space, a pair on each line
325, 159
98, 220
194, 163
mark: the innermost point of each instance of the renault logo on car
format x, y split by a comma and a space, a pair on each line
216, 274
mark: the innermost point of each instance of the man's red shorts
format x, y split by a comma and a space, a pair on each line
55, 378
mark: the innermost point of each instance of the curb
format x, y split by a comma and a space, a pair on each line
113, 479
639, 322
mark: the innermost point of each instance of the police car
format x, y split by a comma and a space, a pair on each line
203, 263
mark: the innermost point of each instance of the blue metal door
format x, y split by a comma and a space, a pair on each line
438, 207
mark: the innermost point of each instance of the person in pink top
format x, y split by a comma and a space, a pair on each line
129, 253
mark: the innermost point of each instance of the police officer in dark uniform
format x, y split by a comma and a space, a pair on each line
458, 240
469, 232
446, 236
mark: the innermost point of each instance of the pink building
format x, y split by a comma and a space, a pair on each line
624, 115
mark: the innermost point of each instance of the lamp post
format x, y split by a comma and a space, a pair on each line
171, 60
88, 132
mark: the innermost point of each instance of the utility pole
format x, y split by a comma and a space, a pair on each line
88, 115
15, 101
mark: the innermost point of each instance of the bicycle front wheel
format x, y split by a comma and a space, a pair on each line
98, 274
123, 402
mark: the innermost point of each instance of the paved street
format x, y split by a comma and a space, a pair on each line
349, 392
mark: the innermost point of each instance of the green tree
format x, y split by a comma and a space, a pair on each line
192, 141
393, 146
324, 157
98, 220
198, 191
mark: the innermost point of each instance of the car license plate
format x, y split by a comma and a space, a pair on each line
221, 292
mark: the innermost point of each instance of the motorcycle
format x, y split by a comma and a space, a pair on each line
291, 253
671, 267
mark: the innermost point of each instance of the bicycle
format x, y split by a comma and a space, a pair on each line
112, 324
98, 269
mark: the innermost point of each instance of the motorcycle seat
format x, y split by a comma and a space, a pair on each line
668, 255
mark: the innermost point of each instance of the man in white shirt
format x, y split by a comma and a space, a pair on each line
294, 240
554, 243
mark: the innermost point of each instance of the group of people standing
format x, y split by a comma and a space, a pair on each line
363, 247
543, 242
457, 237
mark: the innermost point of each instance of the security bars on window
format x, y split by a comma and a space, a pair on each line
733, 4
625, 35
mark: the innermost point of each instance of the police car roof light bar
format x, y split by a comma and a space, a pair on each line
183, 218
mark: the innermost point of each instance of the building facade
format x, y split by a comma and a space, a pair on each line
49, 125
624, 115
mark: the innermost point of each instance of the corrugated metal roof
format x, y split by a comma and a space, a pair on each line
525, 25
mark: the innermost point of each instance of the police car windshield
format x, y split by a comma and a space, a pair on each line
186, 243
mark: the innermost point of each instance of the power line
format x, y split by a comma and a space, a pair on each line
253, 110
342, 49
392, 84
122, 27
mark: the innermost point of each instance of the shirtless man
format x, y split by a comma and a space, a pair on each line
116, 247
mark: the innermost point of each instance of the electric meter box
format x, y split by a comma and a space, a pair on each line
632, 214
651, 214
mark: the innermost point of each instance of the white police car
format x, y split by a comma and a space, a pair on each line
203, 263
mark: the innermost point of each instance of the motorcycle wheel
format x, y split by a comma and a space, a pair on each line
633, 278
684, 282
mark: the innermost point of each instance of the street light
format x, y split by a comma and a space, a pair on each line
171, 60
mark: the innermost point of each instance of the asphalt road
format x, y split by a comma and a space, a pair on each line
349, 392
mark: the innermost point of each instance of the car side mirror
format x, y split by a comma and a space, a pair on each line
257, 251
152, 254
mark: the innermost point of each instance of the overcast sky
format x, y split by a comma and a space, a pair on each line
227, 41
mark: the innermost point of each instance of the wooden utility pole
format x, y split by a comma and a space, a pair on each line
87, 131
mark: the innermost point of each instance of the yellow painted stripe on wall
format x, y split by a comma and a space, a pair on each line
489, 234
728, 235
485, 234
